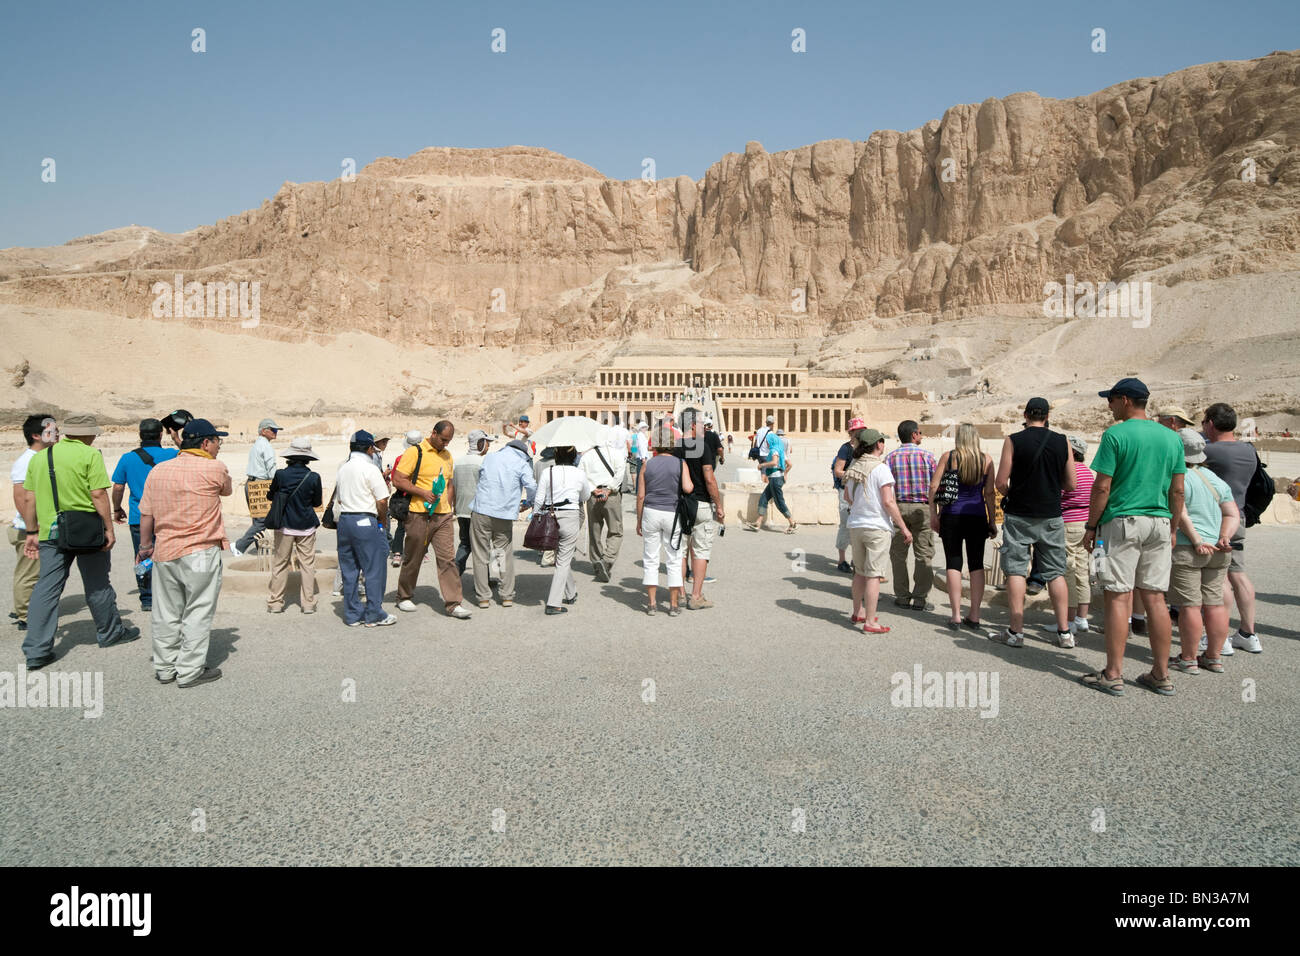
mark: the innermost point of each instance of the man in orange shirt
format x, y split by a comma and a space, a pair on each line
182, 532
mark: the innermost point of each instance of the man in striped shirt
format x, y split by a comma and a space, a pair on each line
181, 529
912, 467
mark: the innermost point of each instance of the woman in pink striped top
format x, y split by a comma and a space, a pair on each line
1074, 509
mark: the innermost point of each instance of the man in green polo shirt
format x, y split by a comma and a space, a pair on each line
83, 485
1137, 498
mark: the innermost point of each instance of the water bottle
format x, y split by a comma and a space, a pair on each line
1097, 567
144, 567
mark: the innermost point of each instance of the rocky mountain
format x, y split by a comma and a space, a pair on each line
1194, 175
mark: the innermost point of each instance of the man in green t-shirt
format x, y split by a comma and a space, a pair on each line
83, 485
1136, 499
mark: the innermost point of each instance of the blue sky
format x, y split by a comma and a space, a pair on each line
144, 130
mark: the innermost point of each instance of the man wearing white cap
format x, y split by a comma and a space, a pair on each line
261, 467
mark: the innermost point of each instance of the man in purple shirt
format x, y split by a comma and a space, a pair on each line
913, 467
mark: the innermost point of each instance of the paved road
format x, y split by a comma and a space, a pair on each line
768, 713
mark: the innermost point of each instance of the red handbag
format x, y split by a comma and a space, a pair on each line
543, 532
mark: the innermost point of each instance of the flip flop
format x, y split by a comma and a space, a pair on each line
876, 628
790, 530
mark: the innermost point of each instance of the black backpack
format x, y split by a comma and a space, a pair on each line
1259, 494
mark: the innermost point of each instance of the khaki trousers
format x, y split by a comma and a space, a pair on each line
185, 593
423, 530
26, 572
1076, 562
488, 535
293, 549
916, 515
606, 514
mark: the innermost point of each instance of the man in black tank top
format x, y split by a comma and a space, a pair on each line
1034, 469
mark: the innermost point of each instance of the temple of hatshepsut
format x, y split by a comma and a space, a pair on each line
746, 390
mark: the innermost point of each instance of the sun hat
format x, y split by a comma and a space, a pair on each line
1078, 444
856, 424
413, 438
1193, 445
81, 424
1175, 411
301, 448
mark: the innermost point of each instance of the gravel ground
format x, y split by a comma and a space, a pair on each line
767, 735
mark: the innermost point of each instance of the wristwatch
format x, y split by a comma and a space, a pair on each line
1089, 527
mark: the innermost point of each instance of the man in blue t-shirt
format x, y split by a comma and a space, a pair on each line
131, 472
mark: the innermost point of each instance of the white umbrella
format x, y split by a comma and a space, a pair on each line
577, 430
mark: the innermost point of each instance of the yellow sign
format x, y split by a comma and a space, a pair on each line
259, 502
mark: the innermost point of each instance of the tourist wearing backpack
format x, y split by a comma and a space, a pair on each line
131, 471
1236, 463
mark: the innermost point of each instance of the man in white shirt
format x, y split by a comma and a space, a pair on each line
361, 504
261, 467
26, 570
605, 467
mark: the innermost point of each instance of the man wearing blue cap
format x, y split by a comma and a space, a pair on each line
1137, 498
183, 533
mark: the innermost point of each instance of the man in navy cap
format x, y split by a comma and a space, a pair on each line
183, 533
1136, 498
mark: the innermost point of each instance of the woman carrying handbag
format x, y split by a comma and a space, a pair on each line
565, 488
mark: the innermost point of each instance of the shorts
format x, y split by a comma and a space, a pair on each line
704, 531
1237, 560
870, 551
1047, 538
1196, 580
1138, 553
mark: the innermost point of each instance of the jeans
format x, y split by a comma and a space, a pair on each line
143, 581
258, 526
363, 548
773, 492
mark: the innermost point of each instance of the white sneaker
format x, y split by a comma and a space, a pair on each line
407, 605
1246, 642
235, 552
458, 611
387, 620
1079, 626
336, 594
1205, 644
1064, 640
1227, 648
1008, 637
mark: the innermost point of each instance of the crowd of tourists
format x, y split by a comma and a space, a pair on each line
1129, 522
1160, 546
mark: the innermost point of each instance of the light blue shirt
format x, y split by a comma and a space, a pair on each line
261, 459
775, 449
505, 478
1201, 506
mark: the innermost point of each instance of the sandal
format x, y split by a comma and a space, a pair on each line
954, 625
1213, 665
1163, 686
854, 619
1098, 679
1187, 667
875, 627
790, 530
971, 625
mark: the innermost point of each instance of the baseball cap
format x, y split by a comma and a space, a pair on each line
177, 419
524, 418
267, 423
1175, 411
150, 428
81, 424
413, 438
869, 436
857, 424
1078, 444
1193, 445
201, 428
1132, 387
770, 419
360, 438
1037, 405
477, 435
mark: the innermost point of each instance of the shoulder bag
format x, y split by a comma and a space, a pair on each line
74, 532
949, 485
399, 503
543, 532
275, 515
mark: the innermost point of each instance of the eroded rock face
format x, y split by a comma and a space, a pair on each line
984, 206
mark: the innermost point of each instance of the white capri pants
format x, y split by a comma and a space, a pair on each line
656, 532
